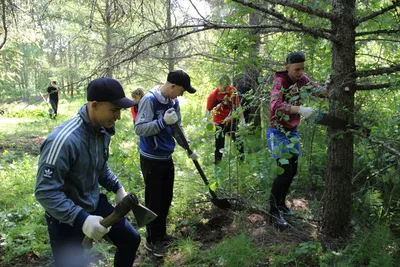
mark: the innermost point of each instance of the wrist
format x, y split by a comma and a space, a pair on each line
117, 187
81, 218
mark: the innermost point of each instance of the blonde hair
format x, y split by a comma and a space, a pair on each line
137, 92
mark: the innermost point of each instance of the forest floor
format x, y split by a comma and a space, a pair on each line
213, 229
216, 225
220, 224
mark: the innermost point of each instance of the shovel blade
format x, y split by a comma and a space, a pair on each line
221, 203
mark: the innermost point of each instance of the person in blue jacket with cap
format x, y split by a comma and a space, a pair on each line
72, 166
158, 110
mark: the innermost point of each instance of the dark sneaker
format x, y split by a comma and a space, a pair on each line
158, 249
167, 238
286, 210
278, 221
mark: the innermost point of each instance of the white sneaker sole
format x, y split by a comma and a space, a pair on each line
158, 255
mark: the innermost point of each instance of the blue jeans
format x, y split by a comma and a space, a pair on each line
66, 240
281, 143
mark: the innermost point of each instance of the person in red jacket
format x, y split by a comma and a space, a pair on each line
137, 96
282, 135
223, 101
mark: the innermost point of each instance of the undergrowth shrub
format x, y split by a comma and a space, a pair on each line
375, 248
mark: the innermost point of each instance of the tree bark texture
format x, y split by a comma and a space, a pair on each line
337, 202
255, 117
107, 16
171, 53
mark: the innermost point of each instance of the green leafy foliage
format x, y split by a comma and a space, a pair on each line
66, 43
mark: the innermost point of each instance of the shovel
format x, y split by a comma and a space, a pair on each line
220, 203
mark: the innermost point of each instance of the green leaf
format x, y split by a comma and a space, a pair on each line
210, 127
276, 150
294, 98
290, 145
283, 161
213, 186
287, 155
279, 170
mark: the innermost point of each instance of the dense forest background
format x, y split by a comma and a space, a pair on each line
346, 194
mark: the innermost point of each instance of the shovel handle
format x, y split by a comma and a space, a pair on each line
182, 136
221, 203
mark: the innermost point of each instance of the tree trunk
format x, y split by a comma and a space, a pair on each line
107, 16
252, 72
25, 76
337, 202
171, 61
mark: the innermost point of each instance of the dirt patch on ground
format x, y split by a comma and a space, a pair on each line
29, 259
22, 144
221, 224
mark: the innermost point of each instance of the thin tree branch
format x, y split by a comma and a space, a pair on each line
378, 71
378, 32
378, 39
315, 32
3, 18
377, 57
302, 8
376, 141
370, 87
198, 12
204, 27
385, 145
377, 13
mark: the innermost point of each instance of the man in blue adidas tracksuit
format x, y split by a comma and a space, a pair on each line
158, 110
72, 165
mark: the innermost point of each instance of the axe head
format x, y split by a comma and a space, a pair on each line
142, 214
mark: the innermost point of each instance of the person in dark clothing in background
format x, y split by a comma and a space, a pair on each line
53, 92
244, 86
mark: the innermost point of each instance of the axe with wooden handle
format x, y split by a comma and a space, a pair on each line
142, 215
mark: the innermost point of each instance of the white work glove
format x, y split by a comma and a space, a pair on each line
306, 112
170, 116
120, 195
92, 227
194, 155
328, 80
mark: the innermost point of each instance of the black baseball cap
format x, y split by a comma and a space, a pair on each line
295, 57
181, 78
108, 90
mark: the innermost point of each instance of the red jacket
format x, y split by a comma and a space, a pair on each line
223, 104
284, 94
134, 111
